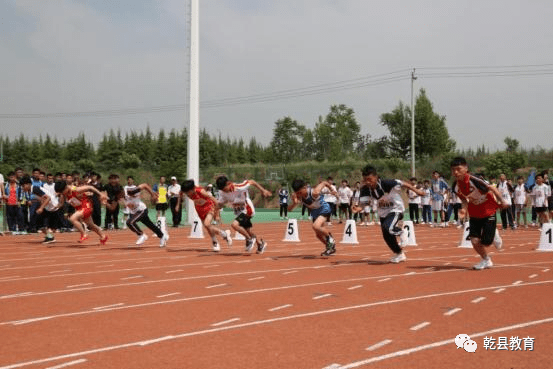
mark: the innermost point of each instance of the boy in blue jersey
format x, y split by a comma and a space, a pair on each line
387, 193
320, 210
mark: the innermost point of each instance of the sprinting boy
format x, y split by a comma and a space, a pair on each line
237, 195
139, 213
205, 205
387, 193
480, 199
313, 199
76, 196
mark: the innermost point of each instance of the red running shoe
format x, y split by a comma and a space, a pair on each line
83, 238
104, 240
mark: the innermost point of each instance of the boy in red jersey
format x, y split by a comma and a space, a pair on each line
480, 200
236, 194
205, 205
76, 197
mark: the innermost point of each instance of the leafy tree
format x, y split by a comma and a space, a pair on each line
512, 144
337, 134
431, 134
286, 144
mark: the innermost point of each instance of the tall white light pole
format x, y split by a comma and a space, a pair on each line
193, 167
413, 78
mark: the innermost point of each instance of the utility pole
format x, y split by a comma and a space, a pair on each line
194, 96
413, 78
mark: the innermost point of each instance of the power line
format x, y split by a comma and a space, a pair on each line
528, 70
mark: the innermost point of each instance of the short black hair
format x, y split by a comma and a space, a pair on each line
113, 176
187, 185
131, 177
12, 173
25, 180
368, 170
298, 184
36, 170
221, 182
413, 179
60, 186
459, 160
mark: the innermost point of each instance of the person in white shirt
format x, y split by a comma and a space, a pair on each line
414, 201
344, 197
505, 189
539, 194
521, 201
173, 193
426, 205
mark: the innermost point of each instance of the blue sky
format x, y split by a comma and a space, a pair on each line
96, 55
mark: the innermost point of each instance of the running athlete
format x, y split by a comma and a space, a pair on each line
77, 197
205, 205
387, 194
236, 194
139, 213
480, 200
312, 199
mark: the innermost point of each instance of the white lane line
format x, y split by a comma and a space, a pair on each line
290, 272
545, 270
243, 261
410, 273
225, 322
85, 257
420, 326
322, 296
447, 263
478, 299
379, 345
532, 276
355, 287
499, 290
65, 365
255, 278
9, 277
174, 271
156, 340
384, 279
5, 266
452, 311
517, 282
32, 320
365, 259
169, 294
441, 343
44, 261
429, 268
60, 271
104, 266
108, 306
144, 261
280, 307
211, 266
79, 285
333, 366
132, 277
16, 295
217, 285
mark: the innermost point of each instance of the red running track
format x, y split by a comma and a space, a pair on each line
121, 306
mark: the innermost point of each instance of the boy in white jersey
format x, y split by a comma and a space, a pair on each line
344, 197
390, 208
521, 201
539, 194
237, 195
426, 205
139, 213
414, 201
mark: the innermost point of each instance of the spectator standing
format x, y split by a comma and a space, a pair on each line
414, 201
344, 197
112, 188
426, 205
35, 202
173, 192
505, 189
521, 201
160, 190
13, 196
283, 202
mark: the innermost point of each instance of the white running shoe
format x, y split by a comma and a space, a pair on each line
163, 240
216, 246
484, 264
403, 237
398, 258
498, 242
141, 239
250, 244
228, 238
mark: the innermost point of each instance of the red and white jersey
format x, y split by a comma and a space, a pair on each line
238, 198
481, 201
200, 199
76, 199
